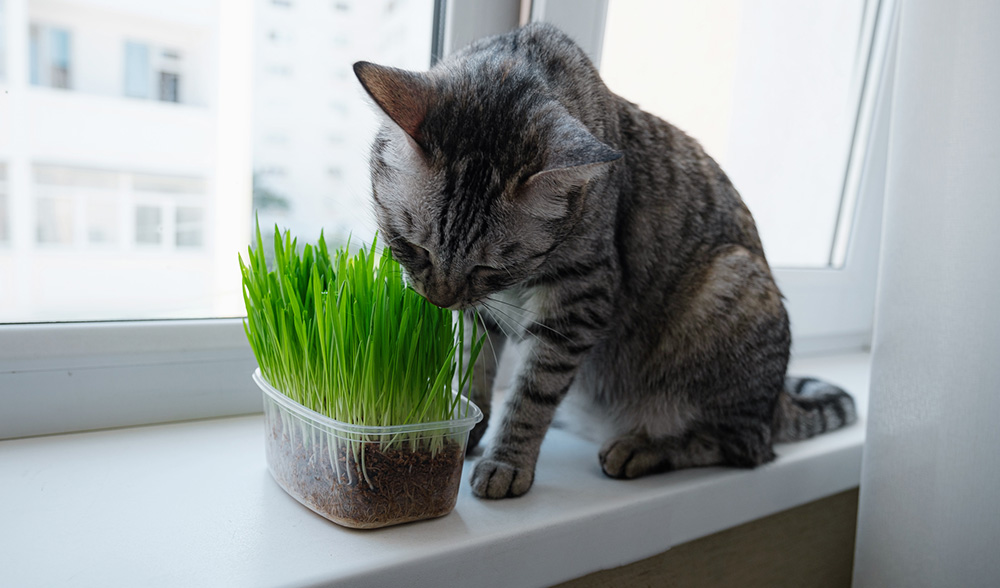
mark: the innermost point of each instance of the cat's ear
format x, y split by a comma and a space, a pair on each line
573, 158
404, 96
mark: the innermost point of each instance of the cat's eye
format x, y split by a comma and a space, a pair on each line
489, 273
407, 252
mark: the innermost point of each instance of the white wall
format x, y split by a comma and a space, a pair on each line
79, 129
931, 475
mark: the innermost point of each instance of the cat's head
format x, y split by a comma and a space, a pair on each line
477, 175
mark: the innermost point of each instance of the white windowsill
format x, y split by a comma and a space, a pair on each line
192, 504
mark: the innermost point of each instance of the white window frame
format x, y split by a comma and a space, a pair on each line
62, 377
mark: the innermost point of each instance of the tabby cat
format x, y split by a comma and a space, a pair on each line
510, 180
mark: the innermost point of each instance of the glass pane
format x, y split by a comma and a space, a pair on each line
55, 220
768, 88
267, 119
102, 219
59, 58
35, 55
169, 87
4, 214
3, 41
189, 226
136, 69
148, 225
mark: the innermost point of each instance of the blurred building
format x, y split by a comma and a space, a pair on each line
312, 124
120, 194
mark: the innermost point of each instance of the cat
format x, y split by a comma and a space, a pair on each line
510, 181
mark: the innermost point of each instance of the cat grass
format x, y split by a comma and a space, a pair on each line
343, 335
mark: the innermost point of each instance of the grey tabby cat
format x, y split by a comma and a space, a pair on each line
606, 241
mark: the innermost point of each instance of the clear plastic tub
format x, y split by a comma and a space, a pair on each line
365, 477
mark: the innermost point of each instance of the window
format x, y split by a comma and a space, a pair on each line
75, 206
3, 42
102, 219
137, 71
169, 69
189, 226
169, 87
148, 225
55, 220
81, 210
61, 218
168, 214
50, 57
146, 77
59, 72
4, 214
199, 188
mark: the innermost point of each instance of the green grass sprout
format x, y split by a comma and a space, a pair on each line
345, 337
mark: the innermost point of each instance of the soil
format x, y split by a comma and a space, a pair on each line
403, 484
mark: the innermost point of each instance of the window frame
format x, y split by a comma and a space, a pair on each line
63, 377
49, 68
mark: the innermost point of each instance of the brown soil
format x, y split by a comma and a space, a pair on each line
403, 483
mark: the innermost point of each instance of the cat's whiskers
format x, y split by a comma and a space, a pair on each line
503, 321
510, 320
511, 304
486, 331
522, 327
530, 320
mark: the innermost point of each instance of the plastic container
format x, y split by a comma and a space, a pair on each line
365, 477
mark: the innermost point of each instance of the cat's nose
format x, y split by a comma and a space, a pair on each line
444, 296
442, 300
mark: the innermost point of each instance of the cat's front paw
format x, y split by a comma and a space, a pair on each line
631, 456
493, 478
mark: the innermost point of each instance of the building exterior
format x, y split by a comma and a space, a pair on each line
135, 135
312, 122
108, 143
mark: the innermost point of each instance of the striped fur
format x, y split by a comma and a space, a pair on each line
808, 407
606, 242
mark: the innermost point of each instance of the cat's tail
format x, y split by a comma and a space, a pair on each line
808, 407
